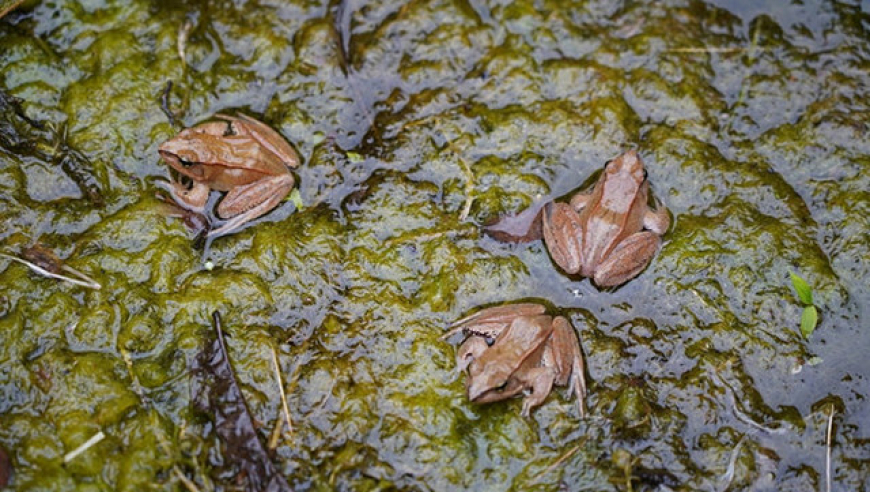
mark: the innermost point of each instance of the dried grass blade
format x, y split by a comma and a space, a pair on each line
83, 280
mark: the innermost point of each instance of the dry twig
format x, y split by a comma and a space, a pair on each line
188, 483
99, 436
828, 449
429, 236
281, 387
560, 460
732, 463
82, 280
6, 6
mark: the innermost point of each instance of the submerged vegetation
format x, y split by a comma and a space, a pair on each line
810, 315
418, 124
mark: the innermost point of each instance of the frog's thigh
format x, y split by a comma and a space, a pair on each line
255, 199
540, 380
657, 220
631, 256
562, 233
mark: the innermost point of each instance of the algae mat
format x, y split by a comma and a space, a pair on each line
419, 122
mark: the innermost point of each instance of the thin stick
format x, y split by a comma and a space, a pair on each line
715, 50
429, 236
561, 460
84, 282
99, 436
468, 174
275, 434
828, 449
88, 281
186, 481
281, 387
164, 102
469, 185
10, 7
469, 181
181, 41
732, 463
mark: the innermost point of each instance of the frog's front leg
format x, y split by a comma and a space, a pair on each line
629, 257
191, 197
247, 202
470, 350
540, 381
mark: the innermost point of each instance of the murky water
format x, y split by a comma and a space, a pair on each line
418, 122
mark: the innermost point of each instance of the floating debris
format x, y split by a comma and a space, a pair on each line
44, 262
99, 436
5, 469
23, 135
828, 450
7, 6
215, 391
280, 382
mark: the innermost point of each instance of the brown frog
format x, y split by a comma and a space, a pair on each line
610, 234
515, 349
239, 155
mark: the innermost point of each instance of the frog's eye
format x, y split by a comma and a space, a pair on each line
645, 175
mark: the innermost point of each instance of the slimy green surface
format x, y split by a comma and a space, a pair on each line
418, 122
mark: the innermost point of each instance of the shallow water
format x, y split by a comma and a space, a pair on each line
418, 122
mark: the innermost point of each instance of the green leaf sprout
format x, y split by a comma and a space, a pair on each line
804, 291
810, 316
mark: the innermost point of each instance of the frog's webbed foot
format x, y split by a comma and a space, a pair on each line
523, 227
245, 203
628, 259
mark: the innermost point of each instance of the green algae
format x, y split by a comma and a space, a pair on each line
418, 122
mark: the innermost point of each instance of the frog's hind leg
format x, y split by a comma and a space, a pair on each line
657, 220
631, 256
562, 233
245, 203
567, 358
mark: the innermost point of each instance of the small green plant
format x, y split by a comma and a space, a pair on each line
810, 316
